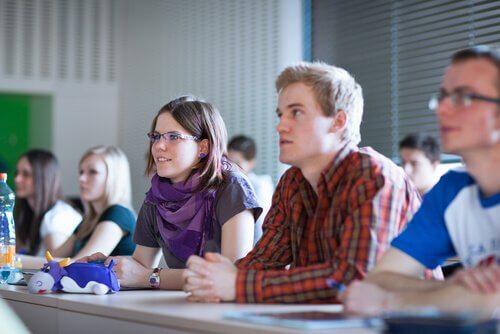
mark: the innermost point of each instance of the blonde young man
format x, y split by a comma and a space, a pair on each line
334, 212
460, 216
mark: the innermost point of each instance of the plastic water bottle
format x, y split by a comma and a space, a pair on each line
8, 269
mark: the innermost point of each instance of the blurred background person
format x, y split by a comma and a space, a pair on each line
109, 221
242, 150
420, 159
43, 220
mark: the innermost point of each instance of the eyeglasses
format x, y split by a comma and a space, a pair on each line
459, 99
169, 136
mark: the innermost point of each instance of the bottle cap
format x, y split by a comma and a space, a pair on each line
3, 176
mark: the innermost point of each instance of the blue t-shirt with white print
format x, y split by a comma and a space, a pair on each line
455, 219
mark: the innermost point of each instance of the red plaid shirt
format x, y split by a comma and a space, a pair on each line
363, 202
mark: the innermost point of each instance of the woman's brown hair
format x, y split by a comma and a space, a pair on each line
47, 189
203, 120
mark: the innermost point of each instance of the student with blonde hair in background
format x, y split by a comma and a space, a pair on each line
109, 221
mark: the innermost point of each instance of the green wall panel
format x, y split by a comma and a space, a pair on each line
14, 133
25, 122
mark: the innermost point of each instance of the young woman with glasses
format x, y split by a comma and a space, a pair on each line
197, 202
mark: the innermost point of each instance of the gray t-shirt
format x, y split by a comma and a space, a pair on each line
235, 196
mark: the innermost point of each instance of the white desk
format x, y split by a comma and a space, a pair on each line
141, 312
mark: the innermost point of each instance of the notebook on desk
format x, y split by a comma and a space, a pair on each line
304, 319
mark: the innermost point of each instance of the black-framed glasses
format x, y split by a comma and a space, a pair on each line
169, 136
459, 99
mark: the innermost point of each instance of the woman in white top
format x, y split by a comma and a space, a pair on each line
43, 220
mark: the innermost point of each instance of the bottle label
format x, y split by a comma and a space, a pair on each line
7, 255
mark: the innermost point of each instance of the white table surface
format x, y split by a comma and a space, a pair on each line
160, 309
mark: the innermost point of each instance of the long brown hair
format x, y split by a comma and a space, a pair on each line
203, 120
47, 189
150, 165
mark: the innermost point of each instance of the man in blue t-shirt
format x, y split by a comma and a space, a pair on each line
460, 216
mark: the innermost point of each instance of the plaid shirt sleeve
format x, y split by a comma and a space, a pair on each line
273, 250
363, 234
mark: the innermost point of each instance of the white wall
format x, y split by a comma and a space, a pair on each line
227, 51
83, 116
110, 65
64, 49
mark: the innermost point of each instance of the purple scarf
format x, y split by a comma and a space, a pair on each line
184, 216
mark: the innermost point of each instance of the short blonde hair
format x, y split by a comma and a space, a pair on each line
335, 90
118, 185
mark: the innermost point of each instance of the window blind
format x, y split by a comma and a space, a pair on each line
397, 50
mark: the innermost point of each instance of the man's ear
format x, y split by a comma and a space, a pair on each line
251, 165
498, 118
496, 132
339, 121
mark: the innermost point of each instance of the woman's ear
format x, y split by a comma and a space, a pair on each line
204, 147
339, 122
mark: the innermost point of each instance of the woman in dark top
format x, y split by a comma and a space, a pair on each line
44, 221
197, 201
108, 222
